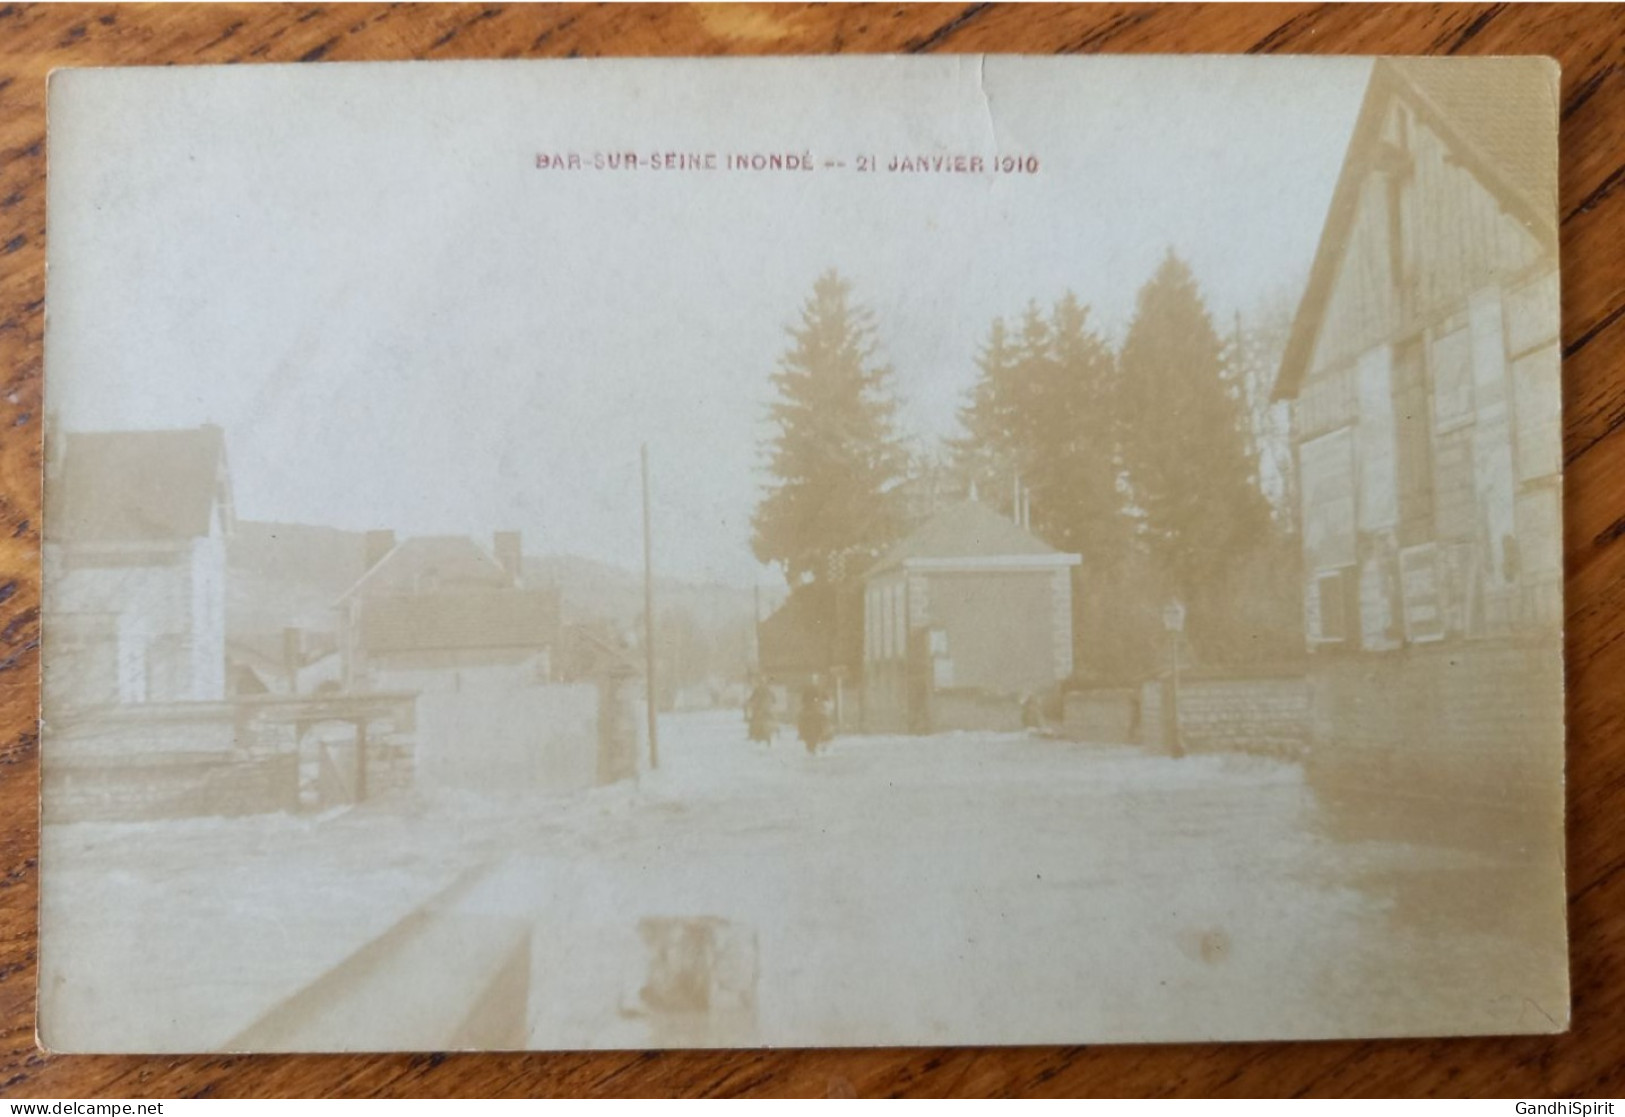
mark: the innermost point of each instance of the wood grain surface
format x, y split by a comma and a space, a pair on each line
1590, 43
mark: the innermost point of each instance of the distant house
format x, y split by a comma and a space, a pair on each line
962, 620
135, 557
444, 613
507, 699
796, 643
1423, 370
810, 640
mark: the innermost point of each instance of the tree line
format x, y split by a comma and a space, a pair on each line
1146, 458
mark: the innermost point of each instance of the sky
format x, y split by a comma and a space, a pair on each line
359, 272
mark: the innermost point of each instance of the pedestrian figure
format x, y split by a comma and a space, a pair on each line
759, 713
812, 721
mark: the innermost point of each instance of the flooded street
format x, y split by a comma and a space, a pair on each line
984, 887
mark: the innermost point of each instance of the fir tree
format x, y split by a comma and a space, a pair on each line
1042, 413
1073, 473
991, 456
835, 458
1187, 449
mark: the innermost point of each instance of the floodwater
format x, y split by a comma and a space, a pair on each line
960, 888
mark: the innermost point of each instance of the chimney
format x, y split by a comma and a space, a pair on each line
377, 545
507, 547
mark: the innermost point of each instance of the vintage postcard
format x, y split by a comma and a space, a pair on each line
799, 552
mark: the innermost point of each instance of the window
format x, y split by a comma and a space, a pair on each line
1326, 608
1325, 403
1326, 481
1452, 380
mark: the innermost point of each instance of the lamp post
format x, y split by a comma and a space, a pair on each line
1173, 619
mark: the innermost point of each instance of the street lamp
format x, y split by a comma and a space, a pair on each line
1173, 619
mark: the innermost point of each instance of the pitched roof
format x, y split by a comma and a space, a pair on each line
138, 486
1505, 125
1503, 128
431, 562
460, 620
968, 529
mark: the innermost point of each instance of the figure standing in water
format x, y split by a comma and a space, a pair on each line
759, 713
812, 722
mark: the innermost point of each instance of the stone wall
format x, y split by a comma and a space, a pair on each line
170, 785
1267, 716
1458, 739
1260, 714
182, 760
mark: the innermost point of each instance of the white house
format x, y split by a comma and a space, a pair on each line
135, 567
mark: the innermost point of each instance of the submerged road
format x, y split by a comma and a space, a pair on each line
968, 888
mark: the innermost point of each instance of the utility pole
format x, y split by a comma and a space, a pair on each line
756, 625
649, 619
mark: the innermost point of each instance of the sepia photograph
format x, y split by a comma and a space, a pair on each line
801, 552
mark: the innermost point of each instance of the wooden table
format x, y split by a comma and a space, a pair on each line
1590, 42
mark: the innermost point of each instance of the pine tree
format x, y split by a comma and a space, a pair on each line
1042, 413
1187, 450
990, 457
835, 458
1073, 472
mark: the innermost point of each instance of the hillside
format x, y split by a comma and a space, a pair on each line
283, 575
591, 589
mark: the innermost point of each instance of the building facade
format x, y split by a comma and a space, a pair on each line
964, 620
135, 568
1424, 373
442, 613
